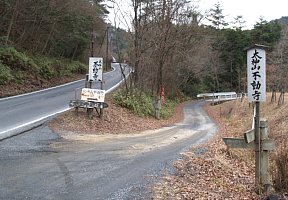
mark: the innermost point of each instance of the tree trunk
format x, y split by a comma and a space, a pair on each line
136, 41
273, 98
216, 81
14, 16
74, 52
48, 38
281, 98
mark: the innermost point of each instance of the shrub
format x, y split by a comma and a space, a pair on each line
142, 104
4, 42
168, 109
17, 60
50, 68
5, 74
138, 102
47, 72
75, 67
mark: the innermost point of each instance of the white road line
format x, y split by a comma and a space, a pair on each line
34, 121
21, 95
45, 117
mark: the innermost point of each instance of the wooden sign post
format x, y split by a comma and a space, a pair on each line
262, 148
256, 76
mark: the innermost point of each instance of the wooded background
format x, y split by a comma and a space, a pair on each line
169, 45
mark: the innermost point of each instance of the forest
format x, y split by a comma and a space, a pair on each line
169, 45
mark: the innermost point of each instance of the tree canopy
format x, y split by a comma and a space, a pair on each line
172, 49
54, 27
169, 46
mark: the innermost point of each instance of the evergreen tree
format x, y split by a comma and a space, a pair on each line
238, 22
265, 33
216, 17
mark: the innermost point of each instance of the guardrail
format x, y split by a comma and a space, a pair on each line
217, 97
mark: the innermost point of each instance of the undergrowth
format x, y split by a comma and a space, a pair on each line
141, 103
18, 66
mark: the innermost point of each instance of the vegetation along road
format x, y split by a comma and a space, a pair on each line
19, 113
41, 165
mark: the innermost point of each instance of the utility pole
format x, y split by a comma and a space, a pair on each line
106, 67
90, 110
231, 85
92, 48
92, 55
107, 47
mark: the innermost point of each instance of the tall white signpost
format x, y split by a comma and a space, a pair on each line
96, 74
256, 76
95, 69
257, 137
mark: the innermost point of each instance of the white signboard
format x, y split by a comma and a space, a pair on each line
95, 69
96, 95
256, 74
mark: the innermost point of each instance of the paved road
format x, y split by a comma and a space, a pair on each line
20, 113
40, 164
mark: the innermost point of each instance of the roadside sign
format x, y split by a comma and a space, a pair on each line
95, 95
95, 69
256, 73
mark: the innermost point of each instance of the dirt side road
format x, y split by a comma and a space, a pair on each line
41, 164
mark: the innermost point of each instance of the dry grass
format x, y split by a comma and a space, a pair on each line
218, 173
277, 116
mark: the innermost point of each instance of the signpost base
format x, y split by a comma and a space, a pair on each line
262, 173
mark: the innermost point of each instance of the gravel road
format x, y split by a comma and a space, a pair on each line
40, 164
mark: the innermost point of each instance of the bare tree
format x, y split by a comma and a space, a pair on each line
279, 57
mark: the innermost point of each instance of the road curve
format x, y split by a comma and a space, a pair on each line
41, 165
23, 112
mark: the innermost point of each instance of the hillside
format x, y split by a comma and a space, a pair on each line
22, 72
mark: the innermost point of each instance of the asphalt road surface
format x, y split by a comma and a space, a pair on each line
20, 113
40, 164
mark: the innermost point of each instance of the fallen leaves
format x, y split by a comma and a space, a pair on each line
116, 120
218, 173
208, 176
212, 173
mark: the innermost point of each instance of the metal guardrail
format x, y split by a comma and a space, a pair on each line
220, 96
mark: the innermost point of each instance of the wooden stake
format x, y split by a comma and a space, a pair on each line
257, 148
265, 174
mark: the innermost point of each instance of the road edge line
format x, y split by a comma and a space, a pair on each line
36, 123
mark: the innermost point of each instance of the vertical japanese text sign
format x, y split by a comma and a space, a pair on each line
256, 74
95, 69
